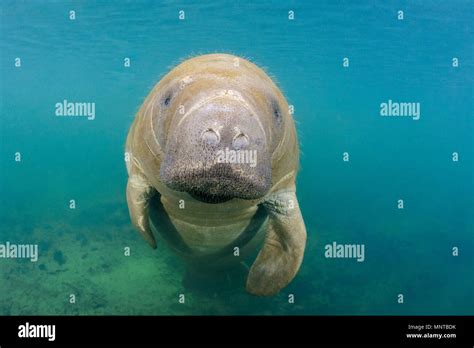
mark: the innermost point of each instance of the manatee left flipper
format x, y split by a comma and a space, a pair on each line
139, 193
282, 253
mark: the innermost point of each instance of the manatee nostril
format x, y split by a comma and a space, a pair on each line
210, 137
241, 141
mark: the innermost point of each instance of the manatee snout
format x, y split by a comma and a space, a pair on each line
218, 151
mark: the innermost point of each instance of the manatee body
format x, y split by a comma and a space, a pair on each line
213, 161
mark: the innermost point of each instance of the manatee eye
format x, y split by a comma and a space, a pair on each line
167, 99
276, 112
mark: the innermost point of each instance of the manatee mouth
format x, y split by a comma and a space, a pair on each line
218, 184
210, 198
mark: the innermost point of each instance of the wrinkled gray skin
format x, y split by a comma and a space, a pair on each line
204, 207
190, 165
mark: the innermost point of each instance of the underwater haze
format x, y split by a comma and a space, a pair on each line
394, 180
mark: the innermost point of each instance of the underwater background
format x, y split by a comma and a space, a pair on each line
408, 251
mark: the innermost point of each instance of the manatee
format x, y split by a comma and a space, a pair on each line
213, 158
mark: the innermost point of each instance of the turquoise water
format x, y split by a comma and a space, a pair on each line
408, 251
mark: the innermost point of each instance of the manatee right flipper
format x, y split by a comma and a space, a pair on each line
282, 253
139, 193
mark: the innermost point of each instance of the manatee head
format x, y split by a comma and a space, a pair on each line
218, 120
